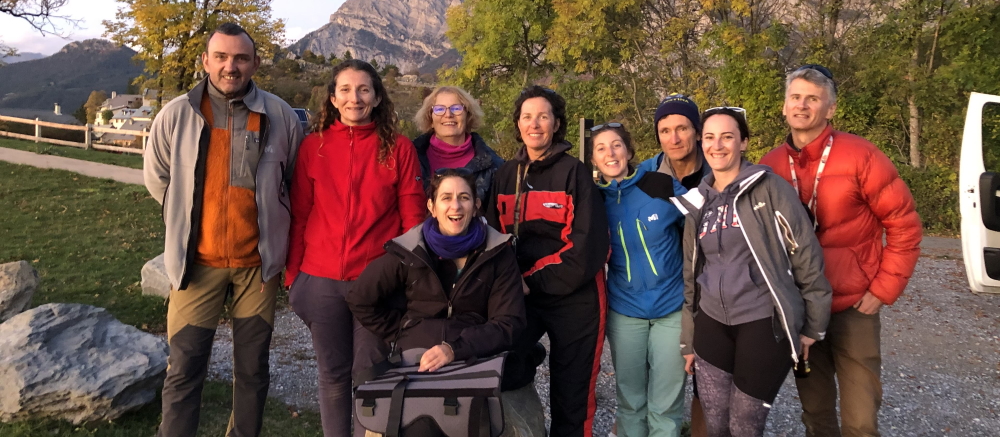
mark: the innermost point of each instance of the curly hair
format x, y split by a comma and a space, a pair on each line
474, 113
384, 115
558, 110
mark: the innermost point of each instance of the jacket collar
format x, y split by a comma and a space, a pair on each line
555, 152
254, 98
814, 149
482, 160
630, 180
337, 126
412, 244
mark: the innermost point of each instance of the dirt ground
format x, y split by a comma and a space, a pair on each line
940, 369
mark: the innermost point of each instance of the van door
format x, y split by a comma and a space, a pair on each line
979, 193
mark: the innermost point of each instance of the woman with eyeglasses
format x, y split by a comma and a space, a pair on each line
755, 294
458, 277
448, 117
548, 201
355, 186
645, 286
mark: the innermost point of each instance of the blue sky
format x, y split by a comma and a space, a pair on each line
301, 17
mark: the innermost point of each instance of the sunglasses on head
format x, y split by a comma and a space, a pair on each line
547, 90
823, 70
444, 171
456, 109
736, 109
606, 125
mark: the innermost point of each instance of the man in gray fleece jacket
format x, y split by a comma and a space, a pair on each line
220, 160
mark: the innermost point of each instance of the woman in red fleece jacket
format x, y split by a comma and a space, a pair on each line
356, 185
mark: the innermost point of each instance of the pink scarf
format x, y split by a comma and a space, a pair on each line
443, 155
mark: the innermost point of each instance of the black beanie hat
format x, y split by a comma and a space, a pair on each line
678, 104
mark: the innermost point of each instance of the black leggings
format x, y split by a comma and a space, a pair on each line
740, 371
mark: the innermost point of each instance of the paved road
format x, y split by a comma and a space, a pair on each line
87, 168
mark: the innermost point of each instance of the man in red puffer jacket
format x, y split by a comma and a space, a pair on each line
855, 193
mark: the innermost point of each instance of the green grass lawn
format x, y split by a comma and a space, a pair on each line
89, 238
122, 159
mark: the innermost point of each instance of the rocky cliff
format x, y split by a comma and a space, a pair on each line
408, 33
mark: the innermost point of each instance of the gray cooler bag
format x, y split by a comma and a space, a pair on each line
463, 398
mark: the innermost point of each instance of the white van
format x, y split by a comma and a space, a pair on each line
979, 193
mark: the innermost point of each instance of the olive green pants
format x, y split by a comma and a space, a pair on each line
192, 316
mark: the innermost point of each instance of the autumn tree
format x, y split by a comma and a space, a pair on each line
170, 35
93, 104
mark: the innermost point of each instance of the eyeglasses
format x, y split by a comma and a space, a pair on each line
456, 109
606, 125
445, 171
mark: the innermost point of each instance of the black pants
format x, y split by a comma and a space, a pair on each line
575, 325
740, 370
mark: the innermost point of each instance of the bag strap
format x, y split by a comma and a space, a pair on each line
450, 377
479, 422
396, 408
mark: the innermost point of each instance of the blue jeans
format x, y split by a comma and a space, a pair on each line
649, 374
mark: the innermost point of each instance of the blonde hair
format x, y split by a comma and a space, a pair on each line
473, 112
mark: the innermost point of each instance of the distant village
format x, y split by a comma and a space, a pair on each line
129, 112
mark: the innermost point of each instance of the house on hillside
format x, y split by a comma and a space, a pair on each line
123, 116
125, 139
117, 102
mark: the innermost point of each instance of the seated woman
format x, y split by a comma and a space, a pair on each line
459, 277
755, 297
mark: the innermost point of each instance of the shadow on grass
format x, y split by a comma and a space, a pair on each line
216, 405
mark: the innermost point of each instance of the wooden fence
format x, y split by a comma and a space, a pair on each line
88, 130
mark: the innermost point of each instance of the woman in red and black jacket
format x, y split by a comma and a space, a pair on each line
548, 201
356, 185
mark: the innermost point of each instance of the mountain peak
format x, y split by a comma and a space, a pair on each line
90, 45
408, 33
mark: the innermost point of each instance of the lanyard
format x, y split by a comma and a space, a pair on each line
819, 173
517, 199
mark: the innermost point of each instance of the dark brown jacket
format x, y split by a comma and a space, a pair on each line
482, 317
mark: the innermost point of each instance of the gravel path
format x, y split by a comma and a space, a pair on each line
941, 360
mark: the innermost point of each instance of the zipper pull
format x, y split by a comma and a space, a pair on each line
449, 309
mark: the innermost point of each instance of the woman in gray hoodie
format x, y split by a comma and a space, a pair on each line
755, 294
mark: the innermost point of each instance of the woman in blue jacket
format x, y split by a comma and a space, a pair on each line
645, 287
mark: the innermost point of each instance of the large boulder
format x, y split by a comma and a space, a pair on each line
18, 281
76, 363
523, 413
154, 278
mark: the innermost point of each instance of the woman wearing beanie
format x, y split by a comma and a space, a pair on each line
548, 201
755, 294
356, 185
645, 287
460, 281
448, 118
678, 130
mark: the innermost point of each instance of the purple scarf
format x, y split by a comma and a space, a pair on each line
443, 155
456, 246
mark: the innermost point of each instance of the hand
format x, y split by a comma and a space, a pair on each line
689, 364
869, 304
436, 358
806, 342
524, 287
